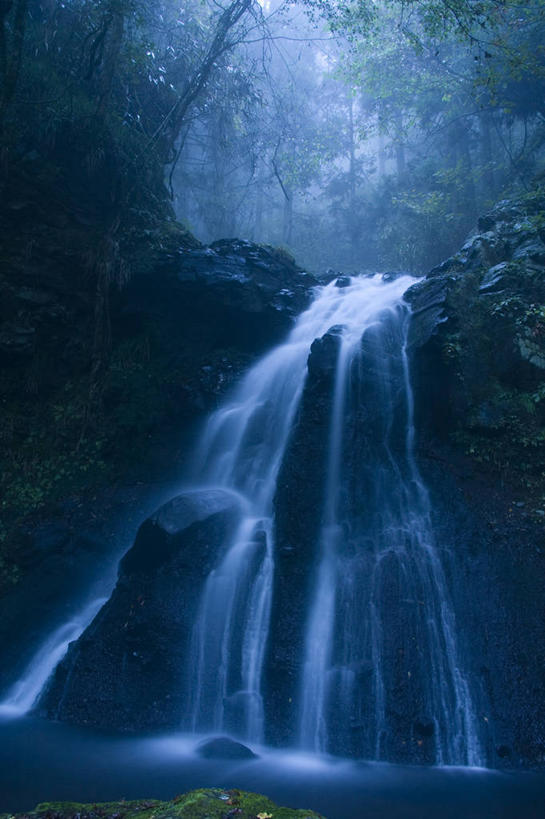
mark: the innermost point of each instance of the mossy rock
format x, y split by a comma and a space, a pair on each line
210, 803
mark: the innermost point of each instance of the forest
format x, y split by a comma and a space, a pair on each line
272, 408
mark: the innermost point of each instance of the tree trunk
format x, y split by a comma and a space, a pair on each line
461, 156
221, 43
287, 223
352, 185
487, 159
11, 56
110, 60
257, 232
399, 145
381, 154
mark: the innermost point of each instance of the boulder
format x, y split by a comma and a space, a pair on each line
128, 669
224, 748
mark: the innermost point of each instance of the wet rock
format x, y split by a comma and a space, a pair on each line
533, 249
323, 353
170, 521
532, 349
424, 727
251, 277
127, 671
392, 275
428, 301
478, 358
224, 748
299, 494
493, 278
486, 222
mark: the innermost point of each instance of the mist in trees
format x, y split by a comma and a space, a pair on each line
356, 135
367, 136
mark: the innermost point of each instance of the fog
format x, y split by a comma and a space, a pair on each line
361, 142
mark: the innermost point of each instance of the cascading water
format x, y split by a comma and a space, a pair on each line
380, 639
23, 695
374, 662
241, 450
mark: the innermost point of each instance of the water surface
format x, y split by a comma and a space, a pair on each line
43, 761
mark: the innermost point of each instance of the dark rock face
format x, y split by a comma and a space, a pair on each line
173, 329
478, 347
505, 261
184, 327
478, 337
245, 294
65, 556
374, 424
126, 669
62, 562
496, 564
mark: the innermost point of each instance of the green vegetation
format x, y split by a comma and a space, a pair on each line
212, 803
378, 146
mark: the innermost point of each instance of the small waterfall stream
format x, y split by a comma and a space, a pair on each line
25, 692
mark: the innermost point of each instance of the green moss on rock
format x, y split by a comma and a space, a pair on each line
205, 803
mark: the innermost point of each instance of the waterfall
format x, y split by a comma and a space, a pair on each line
377, 667
241, 449
379, 592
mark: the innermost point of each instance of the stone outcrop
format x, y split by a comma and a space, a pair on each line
224, 748
125, 670
478, 341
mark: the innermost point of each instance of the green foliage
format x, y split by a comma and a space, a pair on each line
9, 570
420, 139
98, 95
44, 456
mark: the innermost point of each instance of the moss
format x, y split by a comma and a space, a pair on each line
208, 803
282, 254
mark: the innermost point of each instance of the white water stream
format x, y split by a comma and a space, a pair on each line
242, 449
